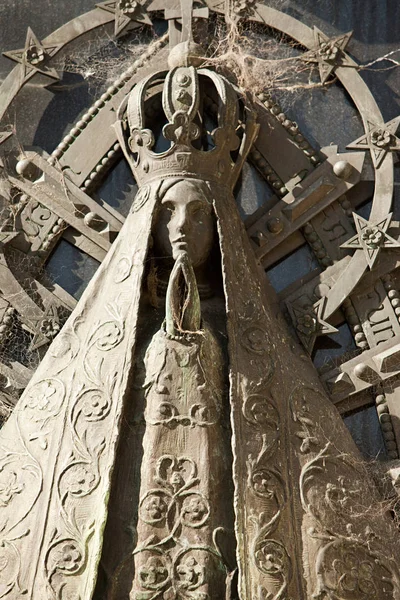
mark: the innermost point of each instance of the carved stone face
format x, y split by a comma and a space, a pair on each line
184, 224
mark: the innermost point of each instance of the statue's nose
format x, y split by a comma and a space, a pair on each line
182, 221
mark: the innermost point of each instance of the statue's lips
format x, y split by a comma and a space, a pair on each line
180, 244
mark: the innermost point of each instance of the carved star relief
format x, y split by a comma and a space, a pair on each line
371, 237
379, 139
34, 57
309, 323
4, 135
328, 53
47, 327
125, 12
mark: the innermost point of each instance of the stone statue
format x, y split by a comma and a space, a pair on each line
153, 440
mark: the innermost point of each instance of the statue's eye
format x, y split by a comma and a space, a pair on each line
169, 206
197, 211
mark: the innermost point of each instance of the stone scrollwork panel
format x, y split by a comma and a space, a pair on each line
175, 561
63, 433
347, 547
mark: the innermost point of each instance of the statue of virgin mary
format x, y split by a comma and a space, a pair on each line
175, 442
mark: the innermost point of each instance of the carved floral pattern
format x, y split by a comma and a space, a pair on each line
177, 478
381, 138
331, 486
9, 487
34, 55
355, 575
172, 564
329, 51
154, 508
271, 557
41, 399
128, 7
80, 479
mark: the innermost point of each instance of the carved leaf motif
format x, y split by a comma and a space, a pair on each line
20, 477
106, 336
259, 410
329, 485
64, 348
41, 404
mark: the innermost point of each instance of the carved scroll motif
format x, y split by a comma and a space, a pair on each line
182, 510
263, 513
64, 433
347, 549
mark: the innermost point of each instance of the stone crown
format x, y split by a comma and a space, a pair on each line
215, 156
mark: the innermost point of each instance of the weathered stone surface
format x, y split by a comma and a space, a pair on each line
301, 499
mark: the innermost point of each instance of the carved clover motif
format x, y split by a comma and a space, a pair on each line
379, 139
194, 511
49, 327
267, 484
355, 575
68, 557
255, 339
80, 480
190, 573
307, 323
181, 130
95, 405
154, 574
244, 8
140, 138
372, 237
155, 508
41, 399
9, 487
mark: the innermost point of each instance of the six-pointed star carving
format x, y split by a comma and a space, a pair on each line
125, 12
379, 139
309, 322
328, 53
371, 237
4, 135
34, 57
